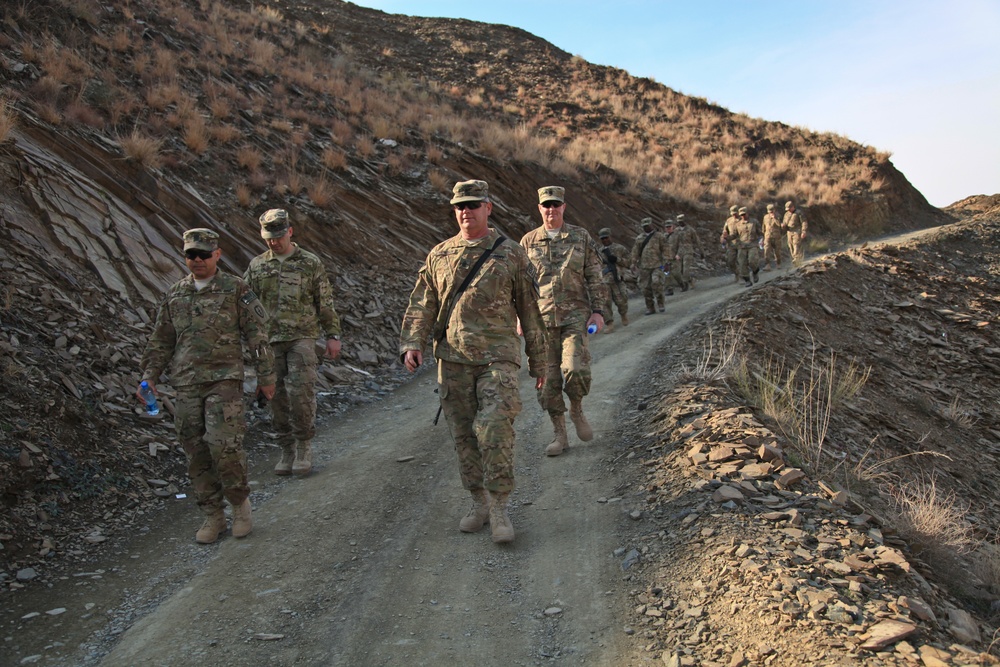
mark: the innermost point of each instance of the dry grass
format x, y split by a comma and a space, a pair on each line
365, 147
8, 120
321, 192
196, 135
244, 195
932, 519
249, 158
434, 154
440, 181
717, 357
142, 149
333, 159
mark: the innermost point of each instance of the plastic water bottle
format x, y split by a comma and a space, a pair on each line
592, 328
152, 407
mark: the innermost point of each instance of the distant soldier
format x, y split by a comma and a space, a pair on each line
748, 240
615, 258
772, 228
478, 349
200, 325
795, 228
728, 240
649, 255
572, 297
294, 289
683, 245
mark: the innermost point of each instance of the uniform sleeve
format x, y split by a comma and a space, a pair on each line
421, 313
597, 289
253, 329
532, 324
160, 347
329, 321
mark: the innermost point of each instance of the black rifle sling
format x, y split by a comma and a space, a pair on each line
458, 293
612, 263
643, 246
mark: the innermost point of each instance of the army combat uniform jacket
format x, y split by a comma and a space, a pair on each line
482, 326
615, 259
568, 269
655, 253
198, 333
296, 294
772, 227
684, 241
793, 223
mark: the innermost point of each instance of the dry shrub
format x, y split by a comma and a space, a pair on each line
196, 136
244, 195
439, 180
364, 147
225, 133
249, 158
282, 125
81, 113
165, 64
220, 107
341, 132
262, 53
396, 163
142, 149
48, 112
931, 519
434, 154
46, 90
321, 192
257, 180
333, 159
8, 121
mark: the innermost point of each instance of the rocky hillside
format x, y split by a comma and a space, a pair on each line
124, 123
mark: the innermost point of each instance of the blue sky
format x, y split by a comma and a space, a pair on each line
917, 78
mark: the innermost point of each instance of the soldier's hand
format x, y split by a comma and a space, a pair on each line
332, 348
520, 331
539, 382
138, 390
598, 319
267, 390
412, 359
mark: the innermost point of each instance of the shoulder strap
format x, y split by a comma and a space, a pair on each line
644, 242
468, 281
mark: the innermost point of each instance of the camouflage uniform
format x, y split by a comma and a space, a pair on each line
615, 259
747, 257
772, 238
650, 259
728, 238
682, 245
297, 295
478, 349
198, 333
795, 226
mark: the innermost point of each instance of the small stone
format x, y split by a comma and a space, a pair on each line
963, 627
553, 611
56, 611
26, 574
727, 493
405, 459
885, 633
790, 478
920, 609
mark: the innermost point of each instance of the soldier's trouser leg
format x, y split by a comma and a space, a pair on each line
294, 404
753, 259
659, 286
620, 298
646, 284
742, 269
479, 404
683, 269
210, 426
569, 360
731, 253
795, 247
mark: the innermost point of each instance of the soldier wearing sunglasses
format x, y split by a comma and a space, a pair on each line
201, 326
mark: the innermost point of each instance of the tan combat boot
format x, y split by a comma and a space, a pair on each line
303, 457
501, 528
242, 519
624, 320
215, 525
583, 430
284, 466
560, 442
479, 514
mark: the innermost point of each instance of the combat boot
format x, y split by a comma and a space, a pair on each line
479, 514
500, 526
756, 277
284, 466
583, 430
624, 320
560, 442
303, 458
215, 525
242, 519
608, 327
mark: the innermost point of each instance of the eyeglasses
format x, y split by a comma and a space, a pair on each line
551, 204
471, 205
198, 254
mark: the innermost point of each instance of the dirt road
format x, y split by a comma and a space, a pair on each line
361, 563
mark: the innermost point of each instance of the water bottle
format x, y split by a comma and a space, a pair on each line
592, 328
152, 408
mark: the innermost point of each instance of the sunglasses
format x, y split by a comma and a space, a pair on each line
551, 204
471, 205
198, 254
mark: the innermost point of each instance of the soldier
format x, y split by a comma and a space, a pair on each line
772, 239
294, 289
615, 259
649, 254
572, 298
795, 227
683, 244
198, 329
747, 239
478, 349
728, 240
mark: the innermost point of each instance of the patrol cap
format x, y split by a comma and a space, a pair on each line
788, 205
680, 217
669, 222
274, 223
605, 233
646, 222
201, 239
552, 193
770, 207
743, 209
732, 209
470, 191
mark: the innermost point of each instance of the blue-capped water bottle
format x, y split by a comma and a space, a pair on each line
592, 328
152, 407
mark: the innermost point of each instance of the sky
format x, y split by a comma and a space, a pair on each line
919, 79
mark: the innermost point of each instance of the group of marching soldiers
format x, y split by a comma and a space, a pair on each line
661, 260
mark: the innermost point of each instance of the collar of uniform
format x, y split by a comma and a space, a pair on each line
271, 255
